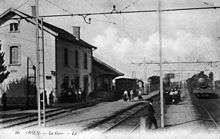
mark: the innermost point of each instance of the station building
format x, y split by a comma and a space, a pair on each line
67, 57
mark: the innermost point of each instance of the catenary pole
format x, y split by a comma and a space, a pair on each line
37, 62
43, 68
161, 64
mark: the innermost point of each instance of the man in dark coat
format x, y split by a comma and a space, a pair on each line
51, 98
4, 101
151, 117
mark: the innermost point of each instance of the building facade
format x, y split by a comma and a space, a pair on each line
68, 59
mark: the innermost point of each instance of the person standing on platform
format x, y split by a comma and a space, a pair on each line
132, 94
129, 96
140, 95
125, 95
151, 117
77, 95
51, 98
4, 101
80, 95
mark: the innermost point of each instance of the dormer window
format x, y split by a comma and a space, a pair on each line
14, 27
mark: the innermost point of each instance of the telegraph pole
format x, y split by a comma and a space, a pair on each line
161, 65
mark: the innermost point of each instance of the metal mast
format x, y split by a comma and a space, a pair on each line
37, 62
161, 64
40, 74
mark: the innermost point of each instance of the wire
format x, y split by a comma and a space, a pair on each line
104, 21
205, 3
92, 6
58, 6
128, 34
129, 5
21, 5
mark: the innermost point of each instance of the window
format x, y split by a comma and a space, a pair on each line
66, 62
13, 27
76, 59
14, 55
85, 61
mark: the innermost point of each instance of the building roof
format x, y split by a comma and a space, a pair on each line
61, 33
107, 69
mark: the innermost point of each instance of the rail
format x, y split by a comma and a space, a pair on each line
210, 115
124, 119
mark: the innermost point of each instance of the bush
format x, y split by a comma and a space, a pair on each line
17, 92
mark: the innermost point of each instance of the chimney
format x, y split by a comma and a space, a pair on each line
76, 32
33, 9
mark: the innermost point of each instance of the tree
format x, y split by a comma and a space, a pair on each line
3, 73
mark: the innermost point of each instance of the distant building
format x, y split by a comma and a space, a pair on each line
68, 59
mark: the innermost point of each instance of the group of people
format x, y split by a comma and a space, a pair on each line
129, 95
72, 93
78, 95
173, 95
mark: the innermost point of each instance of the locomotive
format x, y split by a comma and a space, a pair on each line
201, 85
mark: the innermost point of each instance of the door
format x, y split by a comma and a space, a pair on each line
85, 84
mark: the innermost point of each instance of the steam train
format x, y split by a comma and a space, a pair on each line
201, 85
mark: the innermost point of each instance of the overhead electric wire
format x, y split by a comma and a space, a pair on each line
131, 12
112, 22
92, 6
182, 62
21, 5
67, 11
129, 5
205, 3
123, 12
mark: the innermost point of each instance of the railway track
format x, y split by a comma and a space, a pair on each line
200, 106
118, 121
210, 116
30, 120
129, 120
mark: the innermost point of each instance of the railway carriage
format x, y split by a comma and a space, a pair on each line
123, 84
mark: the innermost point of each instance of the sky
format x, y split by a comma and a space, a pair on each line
123, 39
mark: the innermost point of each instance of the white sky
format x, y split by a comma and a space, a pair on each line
187, 35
